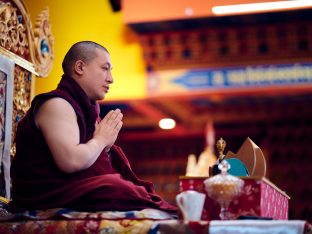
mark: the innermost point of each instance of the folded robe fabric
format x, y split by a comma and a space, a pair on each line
109, 184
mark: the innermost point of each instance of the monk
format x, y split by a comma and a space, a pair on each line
65, 154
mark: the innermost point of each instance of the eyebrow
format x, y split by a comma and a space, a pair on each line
109, 65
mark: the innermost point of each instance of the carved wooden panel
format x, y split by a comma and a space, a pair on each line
32, 53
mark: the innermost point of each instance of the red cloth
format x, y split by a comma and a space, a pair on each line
109, 184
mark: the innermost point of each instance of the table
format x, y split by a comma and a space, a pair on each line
234, 226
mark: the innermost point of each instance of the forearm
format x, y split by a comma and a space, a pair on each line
82, 156
104, 136
56, 116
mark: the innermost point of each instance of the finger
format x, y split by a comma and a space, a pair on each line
115, 114
119, 117
118, 126
110, 115
114, 120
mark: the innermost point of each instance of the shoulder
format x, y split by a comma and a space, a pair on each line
56, 103
54, 98
54, 108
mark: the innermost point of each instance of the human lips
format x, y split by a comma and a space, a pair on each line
106, 88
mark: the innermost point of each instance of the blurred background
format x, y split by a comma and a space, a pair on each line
246, 73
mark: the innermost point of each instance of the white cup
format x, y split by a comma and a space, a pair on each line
191, 204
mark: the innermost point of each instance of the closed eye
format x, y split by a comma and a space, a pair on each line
107, 67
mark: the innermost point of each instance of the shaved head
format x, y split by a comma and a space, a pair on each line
83, 50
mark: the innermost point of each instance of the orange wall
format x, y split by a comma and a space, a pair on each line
75, 20
159, 10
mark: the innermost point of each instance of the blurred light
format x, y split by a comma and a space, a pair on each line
167, 123
188, 11
257, 7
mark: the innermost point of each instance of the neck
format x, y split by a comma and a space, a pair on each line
78, 80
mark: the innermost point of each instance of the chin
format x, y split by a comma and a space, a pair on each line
101, 97
98, 98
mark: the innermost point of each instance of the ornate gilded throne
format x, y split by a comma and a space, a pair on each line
25, 52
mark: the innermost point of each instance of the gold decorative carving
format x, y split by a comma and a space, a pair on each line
32, 50
43, 44
21, 99
12, 32
22, 87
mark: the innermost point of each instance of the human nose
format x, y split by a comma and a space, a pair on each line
110, 78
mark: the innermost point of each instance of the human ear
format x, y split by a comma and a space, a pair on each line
78, 67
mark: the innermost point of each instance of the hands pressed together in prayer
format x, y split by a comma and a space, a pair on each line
107, 130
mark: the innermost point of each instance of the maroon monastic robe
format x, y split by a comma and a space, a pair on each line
109, 184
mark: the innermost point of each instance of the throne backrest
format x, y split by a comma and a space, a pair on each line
25, 52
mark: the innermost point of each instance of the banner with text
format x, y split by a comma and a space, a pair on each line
236, 78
